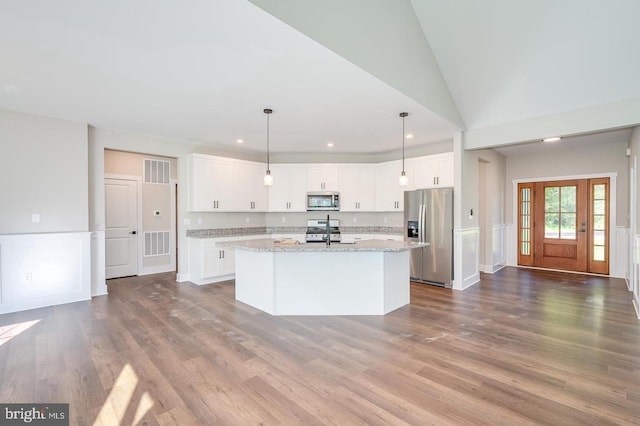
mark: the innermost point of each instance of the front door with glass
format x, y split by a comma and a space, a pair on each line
564, 225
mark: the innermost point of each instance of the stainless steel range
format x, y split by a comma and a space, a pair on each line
317, 230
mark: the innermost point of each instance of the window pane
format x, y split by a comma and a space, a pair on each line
568, 199
525, 221
551, 225
525, 235
598, 207
598, 223
598, 192
552, 199
525, 194
568, 226
525, 249
598, 253
598, 238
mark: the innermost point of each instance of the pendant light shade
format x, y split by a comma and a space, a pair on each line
404, 180
268, 179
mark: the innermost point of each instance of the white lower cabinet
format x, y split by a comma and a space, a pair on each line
209, 262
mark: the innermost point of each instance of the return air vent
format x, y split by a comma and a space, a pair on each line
157, 243
157, 171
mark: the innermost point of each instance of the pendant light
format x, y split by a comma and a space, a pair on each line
268, 179
404, 180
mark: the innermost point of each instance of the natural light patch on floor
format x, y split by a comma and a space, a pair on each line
121, 401
8, 332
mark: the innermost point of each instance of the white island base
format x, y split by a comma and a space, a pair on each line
335, 281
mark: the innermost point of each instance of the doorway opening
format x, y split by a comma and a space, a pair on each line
565, 224
141, 214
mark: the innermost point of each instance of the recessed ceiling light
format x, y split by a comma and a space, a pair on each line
330, 145
552, 139
240, 140
409, 136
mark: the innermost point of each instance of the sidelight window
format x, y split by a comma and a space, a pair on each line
525, 224
599, 218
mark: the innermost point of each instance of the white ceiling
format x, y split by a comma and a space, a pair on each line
203, 71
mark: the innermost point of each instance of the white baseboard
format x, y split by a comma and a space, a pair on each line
157, 270
182, 277
205, 281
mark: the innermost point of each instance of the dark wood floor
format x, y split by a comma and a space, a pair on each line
521, 347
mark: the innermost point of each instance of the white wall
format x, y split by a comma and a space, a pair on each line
43, 170
634, 234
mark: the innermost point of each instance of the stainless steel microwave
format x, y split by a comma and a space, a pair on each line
323, 201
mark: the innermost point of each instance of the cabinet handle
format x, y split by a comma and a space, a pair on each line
438, 180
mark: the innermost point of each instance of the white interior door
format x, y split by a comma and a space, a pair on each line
121, 228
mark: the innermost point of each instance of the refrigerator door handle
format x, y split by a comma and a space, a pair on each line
420, 225
423, 236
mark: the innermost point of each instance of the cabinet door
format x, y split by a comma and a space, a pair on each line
425, 171
298, 188
389, 195
243, 182
228, 261
250, 192
323, 178
433, 171
211, 262
201, 192
445, 168
289, 189
222, 185
357, 188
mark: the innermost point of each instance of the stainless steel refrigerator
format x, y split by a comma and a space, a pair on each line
428, 216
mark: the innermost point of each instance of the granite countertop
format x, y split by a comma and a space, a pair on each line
269, 245
265, 231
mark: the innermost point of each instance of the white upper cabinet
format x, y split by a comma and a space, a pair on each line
218, 184
250, 192
433, 171
389, 195
323, 178
211, 183
288, 193
357, 188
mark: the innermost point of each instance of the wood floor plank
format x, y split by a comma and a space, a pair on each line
521, 347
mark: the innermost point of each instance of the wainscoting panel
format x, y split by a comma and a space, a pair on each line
39, 270
466, 262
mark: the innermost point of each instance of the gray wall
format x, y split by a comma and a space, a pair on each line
43, 170
569, 160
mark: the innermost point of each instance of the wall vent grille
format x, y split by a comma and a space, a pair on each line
157, 171
157, 243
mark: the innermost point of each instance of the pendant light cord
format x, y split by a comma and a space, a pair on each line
403, 115
403, 143
268, 112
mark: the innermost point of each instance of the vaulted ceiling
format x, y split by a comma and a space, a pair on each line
333, 71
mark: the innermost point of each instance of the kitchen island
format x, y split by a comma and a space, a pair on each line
369, 277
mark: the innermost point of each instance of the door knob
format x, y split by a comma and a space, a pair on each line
133, 232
